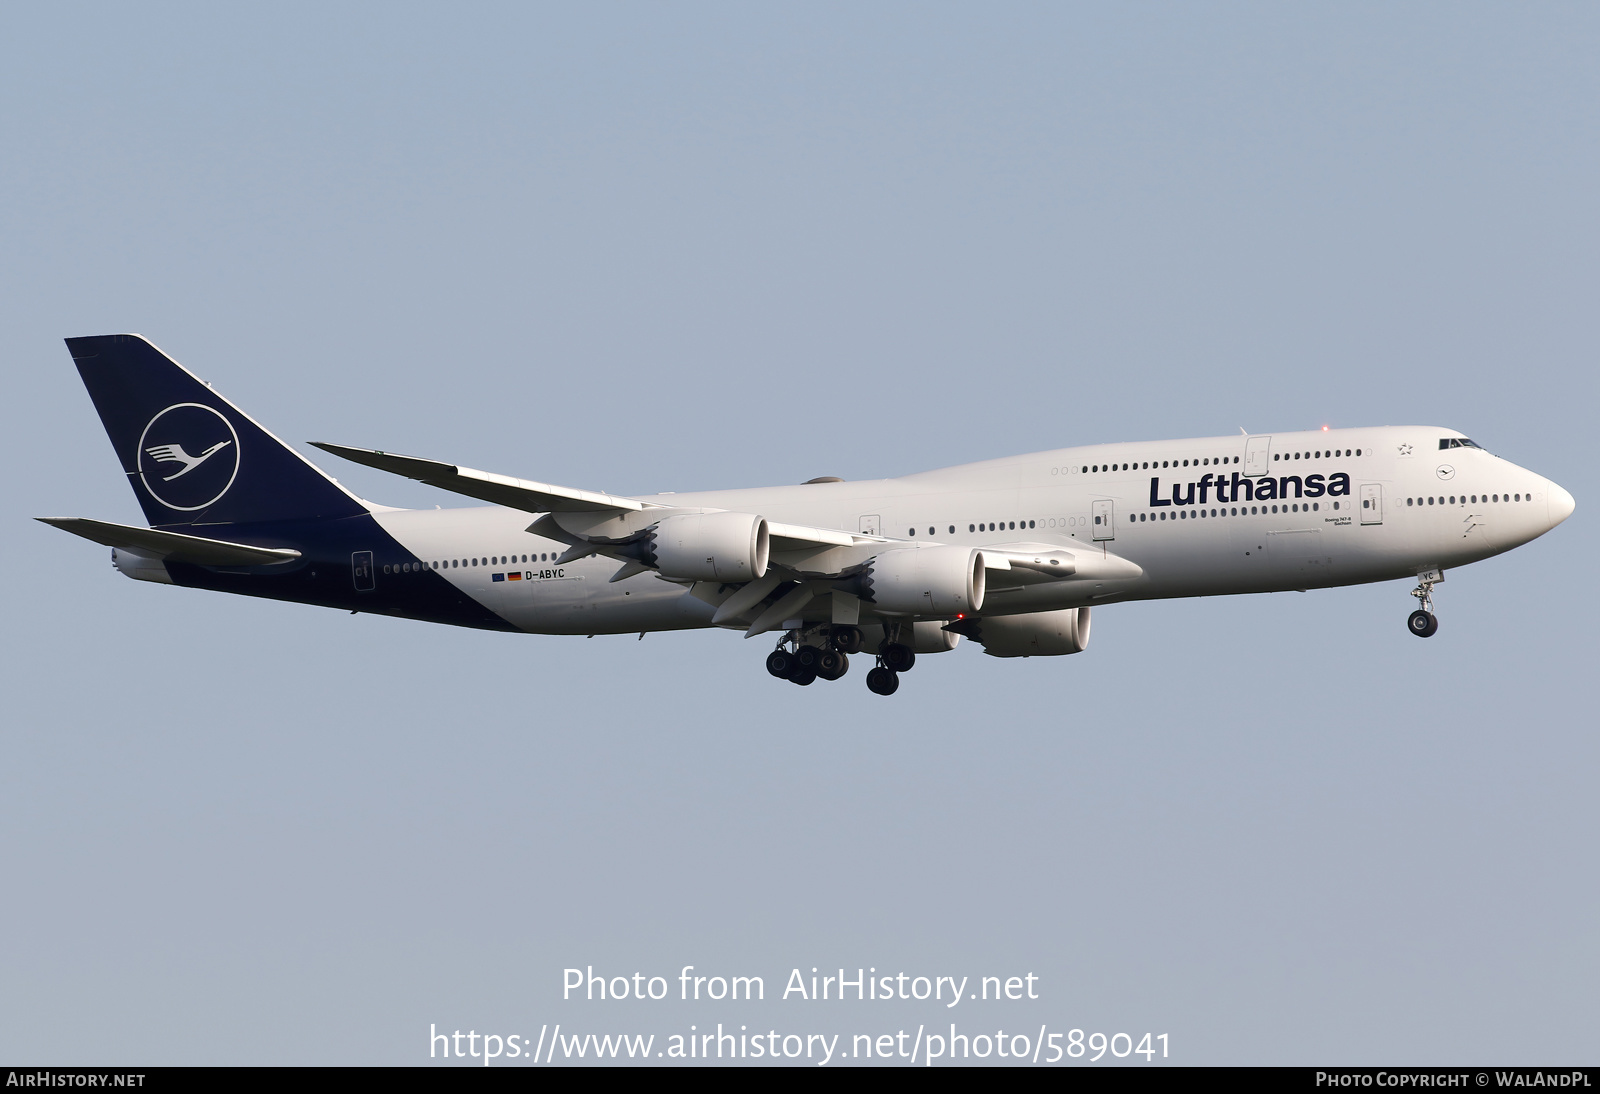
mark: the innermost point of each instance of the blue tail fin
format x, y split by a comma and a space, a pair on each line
192, 456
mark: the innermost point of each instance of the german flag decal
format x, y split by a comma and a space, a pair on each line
513, 577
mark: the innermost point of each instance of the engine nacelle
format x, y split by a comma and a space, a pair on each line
711, 547
927, 636
939, 581
1038, 634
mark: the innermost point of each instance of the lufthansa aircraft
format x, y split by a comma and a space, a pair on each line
1012, 553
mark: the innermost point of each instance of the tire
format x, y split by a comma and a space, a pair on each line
1422, 624
781, 664
832, 665
803, 677
809, 657
881, 681
898, 658
847, 639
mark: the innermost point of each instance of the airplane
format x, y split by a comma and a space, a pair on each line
1011, 553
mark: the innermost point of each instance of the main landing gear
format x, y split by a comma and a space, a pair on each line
815, 653
1422, 622
894, 657
822, 652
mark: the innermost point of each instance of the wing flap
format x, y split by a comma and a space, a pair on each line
172, 546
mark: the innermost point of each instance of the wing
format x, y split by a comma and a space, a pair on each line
592, 520
172, 546
533, 497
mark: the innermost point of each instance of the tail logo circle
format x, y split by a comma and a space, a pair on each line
188, 456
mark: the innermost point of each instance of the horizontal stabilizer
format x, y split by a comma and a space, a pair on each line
532, 497
172, 546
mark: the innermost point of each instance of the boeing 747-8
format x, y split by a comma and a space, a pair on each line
1011, 553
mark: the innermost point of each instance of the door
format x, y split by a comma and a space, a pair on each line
870, 525
1256, 456
1105, 526
1371, 503
361, 571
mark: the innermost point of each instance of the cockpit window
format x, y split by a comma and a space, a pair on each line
1455, 442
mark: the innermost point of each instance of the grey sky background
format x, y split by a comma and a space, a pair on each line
640, 248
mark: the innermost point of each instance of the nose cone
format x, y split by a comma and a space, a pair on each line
1561, 505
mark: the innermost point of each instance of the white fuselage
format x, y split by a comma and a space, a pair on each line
1410, 506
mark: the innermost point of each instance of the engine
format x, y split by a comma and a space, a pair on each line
927, 636
710, 547
938, 581
1038, 634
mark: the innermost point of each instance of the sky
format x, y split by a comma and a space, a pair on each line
634, 248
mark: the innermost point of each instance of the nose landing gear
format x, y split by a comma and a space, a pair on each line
1422, 622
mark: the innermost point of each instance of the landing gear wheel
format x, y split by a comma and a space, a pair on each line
898, 657
1422, 623
847, 639
809, 658
781, 663
832, 665
803, 677
880, 681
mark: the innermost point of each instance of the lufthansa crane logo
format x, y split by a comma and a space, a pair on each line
188, 456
